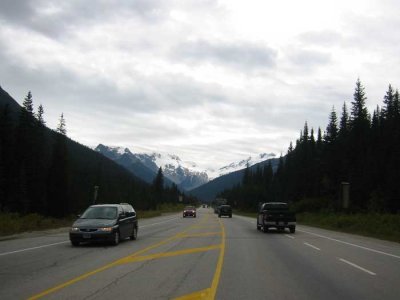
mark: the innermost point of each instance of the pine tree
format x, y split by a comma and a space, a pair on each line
331, 129
359, 112
27, 104
158, 182
61, 128
388, 110
344, 121
40, 115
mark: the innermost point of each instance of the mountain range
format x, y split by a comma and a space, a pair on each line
186, 175
207, 192
146, 166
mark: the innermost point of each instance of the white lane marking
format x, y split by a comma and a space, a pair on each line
289, 236
33, 248
312, 246
350, 244
48, 245
148, 225
357, 266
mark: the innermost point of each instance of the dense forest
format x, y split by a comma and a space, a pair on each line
43, 171
357, 150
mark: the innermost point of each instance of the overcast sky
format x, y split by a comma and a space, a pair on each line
210, 81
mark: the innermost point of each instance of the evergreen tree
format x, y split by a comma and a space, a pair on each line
344, 121
332, 129
27, 104
158, 182
61, 128
359, 112
40, 115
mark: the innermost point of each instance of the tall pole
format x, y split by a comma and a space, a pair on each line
96, 191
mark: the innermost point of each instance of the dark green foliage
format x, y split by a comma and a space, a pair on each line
43, 171
361, 151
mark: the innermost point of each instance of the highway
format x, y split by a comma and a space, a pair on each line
201, 258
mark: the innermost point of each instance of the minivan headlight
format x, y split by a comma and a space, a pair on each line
74, 229
106, 229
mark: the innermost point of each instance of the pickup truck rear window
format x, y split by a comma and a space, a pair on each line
277, 206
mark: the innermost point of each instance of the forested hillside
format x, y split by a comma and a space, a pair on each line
43, 171
359, 149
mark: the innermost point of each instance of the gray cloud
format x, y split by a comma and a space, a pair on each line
309, 58
239, 55
326, 38
55, 18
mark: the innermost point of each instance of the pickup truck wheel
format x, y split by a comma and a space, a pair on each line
258, 226
292, 229
265, 229
230, 216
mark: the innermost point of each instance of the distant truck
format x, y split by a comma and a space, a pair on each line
276, 215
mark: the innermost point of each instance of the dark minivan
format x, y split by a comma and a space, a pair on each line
105, 222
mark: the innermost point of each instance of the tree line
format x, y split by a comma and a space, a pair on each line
43, 171
358, 149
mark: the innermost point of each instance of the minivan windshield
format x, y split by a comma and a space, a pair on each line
100, 212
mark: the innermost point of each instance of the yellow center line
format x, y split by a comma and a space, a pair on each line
201, 234
168, 254
205, 226
217, 274
108, 266
209, 293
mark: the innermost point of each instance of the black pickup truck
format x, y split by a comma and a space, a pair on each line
276, 215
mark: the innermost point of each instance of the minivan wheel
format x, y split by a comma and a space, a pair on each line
134, 234
75, 243
116, 238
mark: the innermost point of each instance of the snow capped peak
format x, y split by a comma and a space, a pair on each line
184, 173
235, 166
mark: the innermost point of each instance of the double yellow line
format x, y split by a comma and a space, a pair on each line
208, 293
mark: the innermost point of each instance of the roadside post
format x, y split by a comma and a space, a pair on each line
96, 191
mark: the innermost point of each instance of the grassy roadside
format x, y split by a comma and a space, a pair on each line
381, 226
14, 223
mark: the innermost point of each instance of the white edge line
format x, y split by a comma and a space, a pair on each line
48, 245
350, 244
289, 236
357, 266
33, 248
312, 246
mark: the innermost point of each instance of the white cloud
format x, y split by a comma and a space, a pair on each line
211, 81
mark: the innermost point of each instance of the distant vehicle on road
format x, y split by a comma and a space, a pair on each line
276, 215
105, 222
189, 211
225, 210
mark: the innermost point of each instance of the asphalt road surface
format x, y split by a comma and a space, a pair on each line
202, 258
